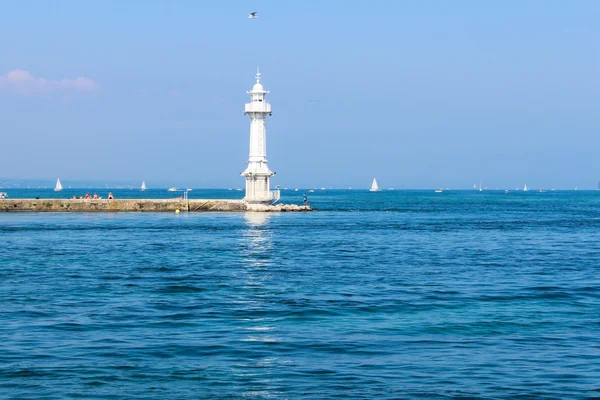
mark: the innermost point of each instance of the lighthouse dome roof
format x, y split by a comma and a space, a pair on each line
258, 87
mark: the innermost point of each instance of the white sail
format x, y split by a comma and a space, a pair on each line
143, 185
58, 187
374, 186
525, 188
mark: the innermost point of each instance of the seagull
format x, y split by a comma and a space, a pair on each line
253, 15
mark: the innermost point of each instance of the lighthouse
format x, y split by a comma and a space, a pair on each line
258, 175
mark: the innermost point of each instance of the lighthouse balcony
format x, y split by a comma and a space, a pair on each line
259, 107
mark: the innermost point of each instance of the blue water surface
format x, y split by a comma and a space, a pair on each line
391, 295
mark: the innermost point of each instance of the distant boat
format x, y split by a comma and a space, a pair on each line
374, 187
172, 189
525, 188
480, 187
575, 187
439, 191
239, 190
311, 191
474, 186
323, 189
58, 187
295, 190
143, 185
189, 190
506, 191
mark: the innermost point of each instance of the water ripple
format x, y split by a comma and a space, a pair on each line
410, 295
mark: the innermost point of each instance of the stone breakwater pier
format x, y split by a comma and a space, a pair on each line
141, 205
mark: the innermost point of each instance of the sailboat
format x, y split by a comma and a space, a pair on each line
525, 188
58, 187
481, 190
374, 187
143, 185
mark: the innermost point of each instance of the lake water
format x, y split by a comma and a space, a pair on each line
403, 294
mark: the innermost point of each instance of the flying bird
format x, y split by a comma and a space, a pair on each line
253, 15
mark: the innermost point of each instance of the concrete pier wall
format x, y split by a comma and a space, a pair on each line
132, 205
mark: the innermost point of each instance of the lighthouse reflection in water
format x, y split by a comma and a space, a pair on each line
256, 323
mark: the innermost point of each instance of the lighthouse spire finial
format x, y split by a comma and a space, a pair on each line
257, 75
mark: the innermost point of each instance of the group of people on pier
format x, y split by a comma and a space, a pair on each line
94, 197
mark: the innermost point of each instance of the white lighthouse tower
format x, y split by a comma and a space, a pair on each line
258, 175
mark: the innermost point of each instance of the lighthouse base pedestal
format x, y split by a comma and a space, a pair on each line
258, 188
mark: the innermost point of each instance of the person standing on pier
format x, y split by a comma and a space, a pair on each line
305, 198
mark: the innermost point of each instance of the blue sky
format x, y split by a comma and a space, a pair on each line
419, 94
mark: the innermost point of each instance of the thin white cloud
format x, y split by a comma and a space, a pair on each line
22, 82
